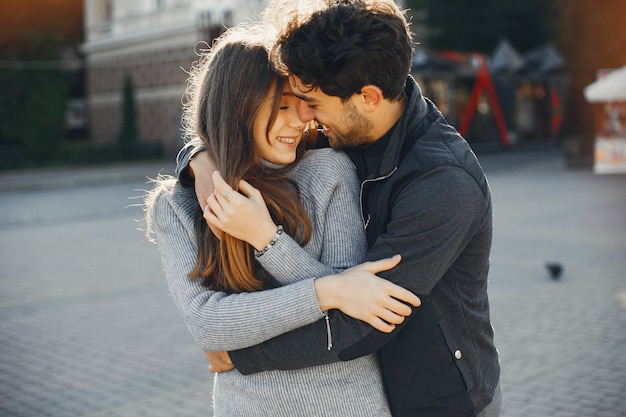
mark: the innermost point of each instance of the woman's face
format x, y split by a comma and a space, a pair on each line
280, 143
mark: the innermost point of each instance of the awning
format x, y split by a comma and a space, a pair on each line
611, 87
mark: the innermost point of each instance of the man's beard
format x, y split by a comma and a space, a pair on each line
355, 129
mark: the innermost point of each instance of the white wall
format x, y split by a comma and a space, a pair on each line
116, 24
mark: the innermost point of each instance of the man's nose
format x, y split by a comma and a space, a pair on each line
304, 112
294, 119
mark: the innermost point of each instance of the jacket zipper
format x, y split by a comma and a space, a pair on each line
328, 333
366, 222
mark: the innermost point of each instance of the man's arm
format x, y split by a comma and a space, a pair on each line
194, 168
430, 226
185, 155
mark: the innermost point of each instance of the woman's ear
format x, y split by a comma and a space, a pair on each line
372, 97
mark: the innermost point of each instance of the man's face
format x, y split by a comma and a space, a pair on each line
344, 124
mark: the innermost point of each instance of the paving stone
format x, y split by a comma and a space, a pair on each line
87, 327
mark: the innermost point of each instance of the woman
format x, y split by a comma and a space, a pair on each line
246, 116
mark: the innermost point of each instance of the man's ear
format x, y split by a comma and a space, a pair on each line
372, 97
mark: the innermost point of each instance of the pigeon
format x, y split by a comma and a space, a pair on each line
555, 269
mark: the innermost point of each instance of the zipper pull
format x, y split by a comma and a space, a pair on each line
328, 333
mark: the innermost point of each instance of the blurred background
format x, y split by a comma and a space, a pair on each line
90, 81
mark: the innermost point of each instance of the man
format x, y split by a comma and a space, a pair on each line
424, 196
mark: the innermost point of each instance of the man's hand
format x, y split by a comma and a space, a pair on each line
219, 361
201, 168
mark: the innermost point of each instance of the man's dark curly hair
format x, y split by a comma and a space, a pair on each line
347, 45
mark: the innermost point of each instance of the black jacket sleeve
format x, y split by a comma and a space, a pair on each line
432, 220
187, 152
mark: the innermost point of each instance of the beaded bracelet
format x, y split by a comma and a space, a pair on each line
279, 232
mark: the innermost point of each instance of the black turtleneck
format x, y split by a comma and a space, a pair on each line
368, 157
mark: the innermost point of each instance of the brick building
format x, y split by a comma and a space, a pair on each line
593, 38
151, 41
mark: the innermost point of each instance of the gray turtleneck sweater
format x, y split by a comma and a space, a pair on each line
222, 322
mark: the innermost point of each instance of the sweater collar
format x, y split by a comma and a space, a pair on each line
271, 166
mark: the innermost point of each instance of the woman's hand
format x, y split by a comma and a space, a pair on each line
360, 294
243, 215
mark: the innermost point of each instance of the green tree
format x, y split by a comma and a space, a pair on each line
33, 96
129, 132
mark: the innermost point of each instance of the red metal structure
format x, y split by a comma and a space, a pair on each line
483, 84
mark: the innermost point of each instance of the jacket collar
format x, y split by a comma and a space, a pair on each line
414, 113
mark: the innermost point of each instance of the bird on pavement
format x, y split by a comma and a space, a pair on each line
555, 269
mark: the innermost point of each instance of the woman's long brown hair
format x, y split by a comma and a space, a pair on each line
225, 90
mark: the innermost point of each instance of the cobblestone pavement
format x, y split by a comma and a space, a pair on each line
562, 342
87, 329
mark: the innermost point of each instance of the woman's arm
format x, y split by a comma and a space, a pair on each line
219, 321
245, 216
329, 189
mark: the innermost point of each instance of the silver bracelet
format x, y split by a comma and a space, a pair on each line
279, 232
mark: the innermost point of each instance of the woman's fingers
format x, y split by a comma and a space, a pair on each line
212, 208
241, 214
222, 189
396, 307
386, 320
392, 311
402, 294
392, 290
381, 265
381, 325
225, 194
247, 189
